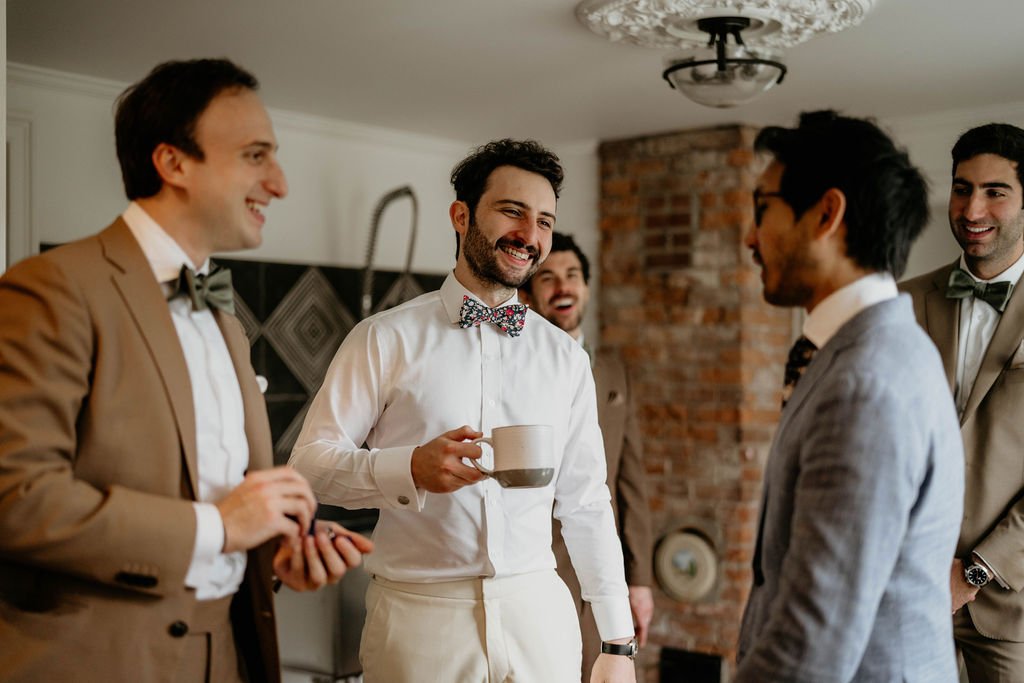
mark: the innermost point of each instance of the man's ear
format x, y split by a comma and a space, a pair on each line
525, 298
459, 214
831, 212
168, 161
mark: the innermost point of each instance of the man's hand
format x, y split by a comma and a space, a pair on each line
962, 591
310, 562
268, 503
437, 465
641, 604
613, 668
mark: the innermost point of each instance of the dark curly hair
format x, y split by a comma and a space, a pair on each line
470, 176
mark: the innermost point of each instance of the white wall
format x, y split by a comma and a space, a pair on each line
337, 171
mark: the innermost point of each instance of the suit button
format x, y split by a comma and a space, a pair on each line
178, 629
404, 500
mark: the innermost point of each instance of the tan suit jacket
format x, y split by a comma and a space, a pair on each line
98, 473
992, 427
628, 485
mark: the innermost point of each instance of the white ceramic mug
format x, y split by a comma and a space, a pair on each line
523, 455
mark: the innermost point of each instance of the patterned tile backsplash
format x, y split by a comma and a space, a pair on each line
296, 317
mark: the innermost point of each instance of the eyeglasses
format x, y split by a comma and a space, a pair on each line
759, 208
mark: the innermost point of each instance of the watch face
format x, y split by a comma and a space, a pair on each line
977, 575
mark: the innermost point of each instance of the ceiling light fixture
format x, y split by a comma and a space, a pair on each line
705, 66
727, 75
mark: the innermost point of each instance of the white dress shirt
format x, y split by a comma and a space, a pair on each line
221, 445
843, 304
978, 321
407, 375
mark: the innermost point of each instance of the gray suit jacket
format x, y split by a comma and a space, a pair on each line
862, 502
993, 433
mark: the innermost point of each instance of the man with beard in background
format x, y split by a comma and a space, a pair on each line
560, 291
464, 587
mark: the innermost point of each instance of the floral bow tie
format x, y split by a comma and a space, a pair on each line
510, 318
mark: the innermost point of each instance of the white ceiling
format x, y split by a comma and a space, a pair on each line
472, 70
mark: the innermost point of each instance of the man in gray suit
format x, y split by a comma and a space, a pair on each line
864, 481
974, 312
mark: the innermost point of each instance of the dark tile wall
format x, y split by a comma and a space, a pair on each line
296, 316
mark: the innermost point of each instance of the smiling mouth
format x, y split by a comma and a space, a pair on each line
563, 304
977, 229
254, 208
520, 253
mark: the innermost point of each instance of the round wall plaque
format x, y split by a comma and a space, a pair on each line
685, 565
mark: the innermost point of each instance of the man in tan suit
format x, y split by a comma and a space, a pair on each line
140, 515
973, 309
559, 291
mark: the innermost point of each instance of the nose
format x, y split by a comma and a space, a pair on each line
975, 208
275, 183
750, 238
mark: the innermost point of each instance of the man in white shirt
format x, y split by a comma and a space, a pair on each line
464, 586
864, 480
140, 515
560, 291
974, 312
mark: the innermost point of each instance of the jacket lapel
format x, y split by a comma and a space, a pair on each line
144, 299
1004, 343
942, 320
257, 429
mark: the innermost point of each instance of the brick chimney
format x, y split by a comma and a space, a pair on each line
681, 298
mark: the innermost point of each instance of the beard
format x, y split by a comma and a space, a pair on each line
482, 258
793, 286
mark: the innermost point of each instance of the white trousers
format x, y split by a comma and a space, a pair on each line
516, 629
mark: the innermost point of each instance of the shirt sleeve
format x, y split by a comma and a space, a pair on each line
583, 506
329, 450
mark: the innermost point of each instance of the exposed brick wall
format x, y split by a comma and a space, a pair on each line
681, 299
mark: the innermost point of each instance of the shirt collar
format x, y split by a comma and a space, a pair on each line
1011, 274
452, 292
165, 255
838, 307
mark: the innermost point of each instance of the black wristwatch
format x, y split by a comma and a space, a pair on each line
977, 575
627, 650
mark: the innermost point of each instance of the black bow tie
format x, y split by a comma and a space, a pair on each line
962, 285
205, 291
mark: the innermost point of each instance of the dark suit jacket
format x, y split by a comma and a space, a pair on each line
628, 485
98, 472
992, 427
862, 499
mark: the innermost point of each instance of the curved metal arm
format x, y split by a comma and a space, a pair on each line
393, 195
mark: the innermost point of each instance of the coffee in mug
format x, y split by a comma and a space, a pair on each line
523, 455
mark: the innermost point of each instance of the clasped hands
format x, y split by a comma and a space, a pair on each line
278, 503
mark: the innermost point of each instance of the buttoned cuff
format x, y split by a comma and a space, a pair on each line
392, 471
209, 540
614, 618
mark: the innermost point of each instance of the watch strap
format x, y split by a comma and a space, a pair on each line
625, 649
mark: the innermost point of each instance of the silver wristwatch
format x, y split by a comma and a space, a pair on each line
977, 574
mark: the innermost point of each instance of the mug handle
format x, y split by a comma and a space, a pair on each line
475, 462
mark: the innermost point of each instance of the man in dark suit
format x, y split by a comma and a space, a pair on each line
140, 515
864, 480
560, 291
974, 312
